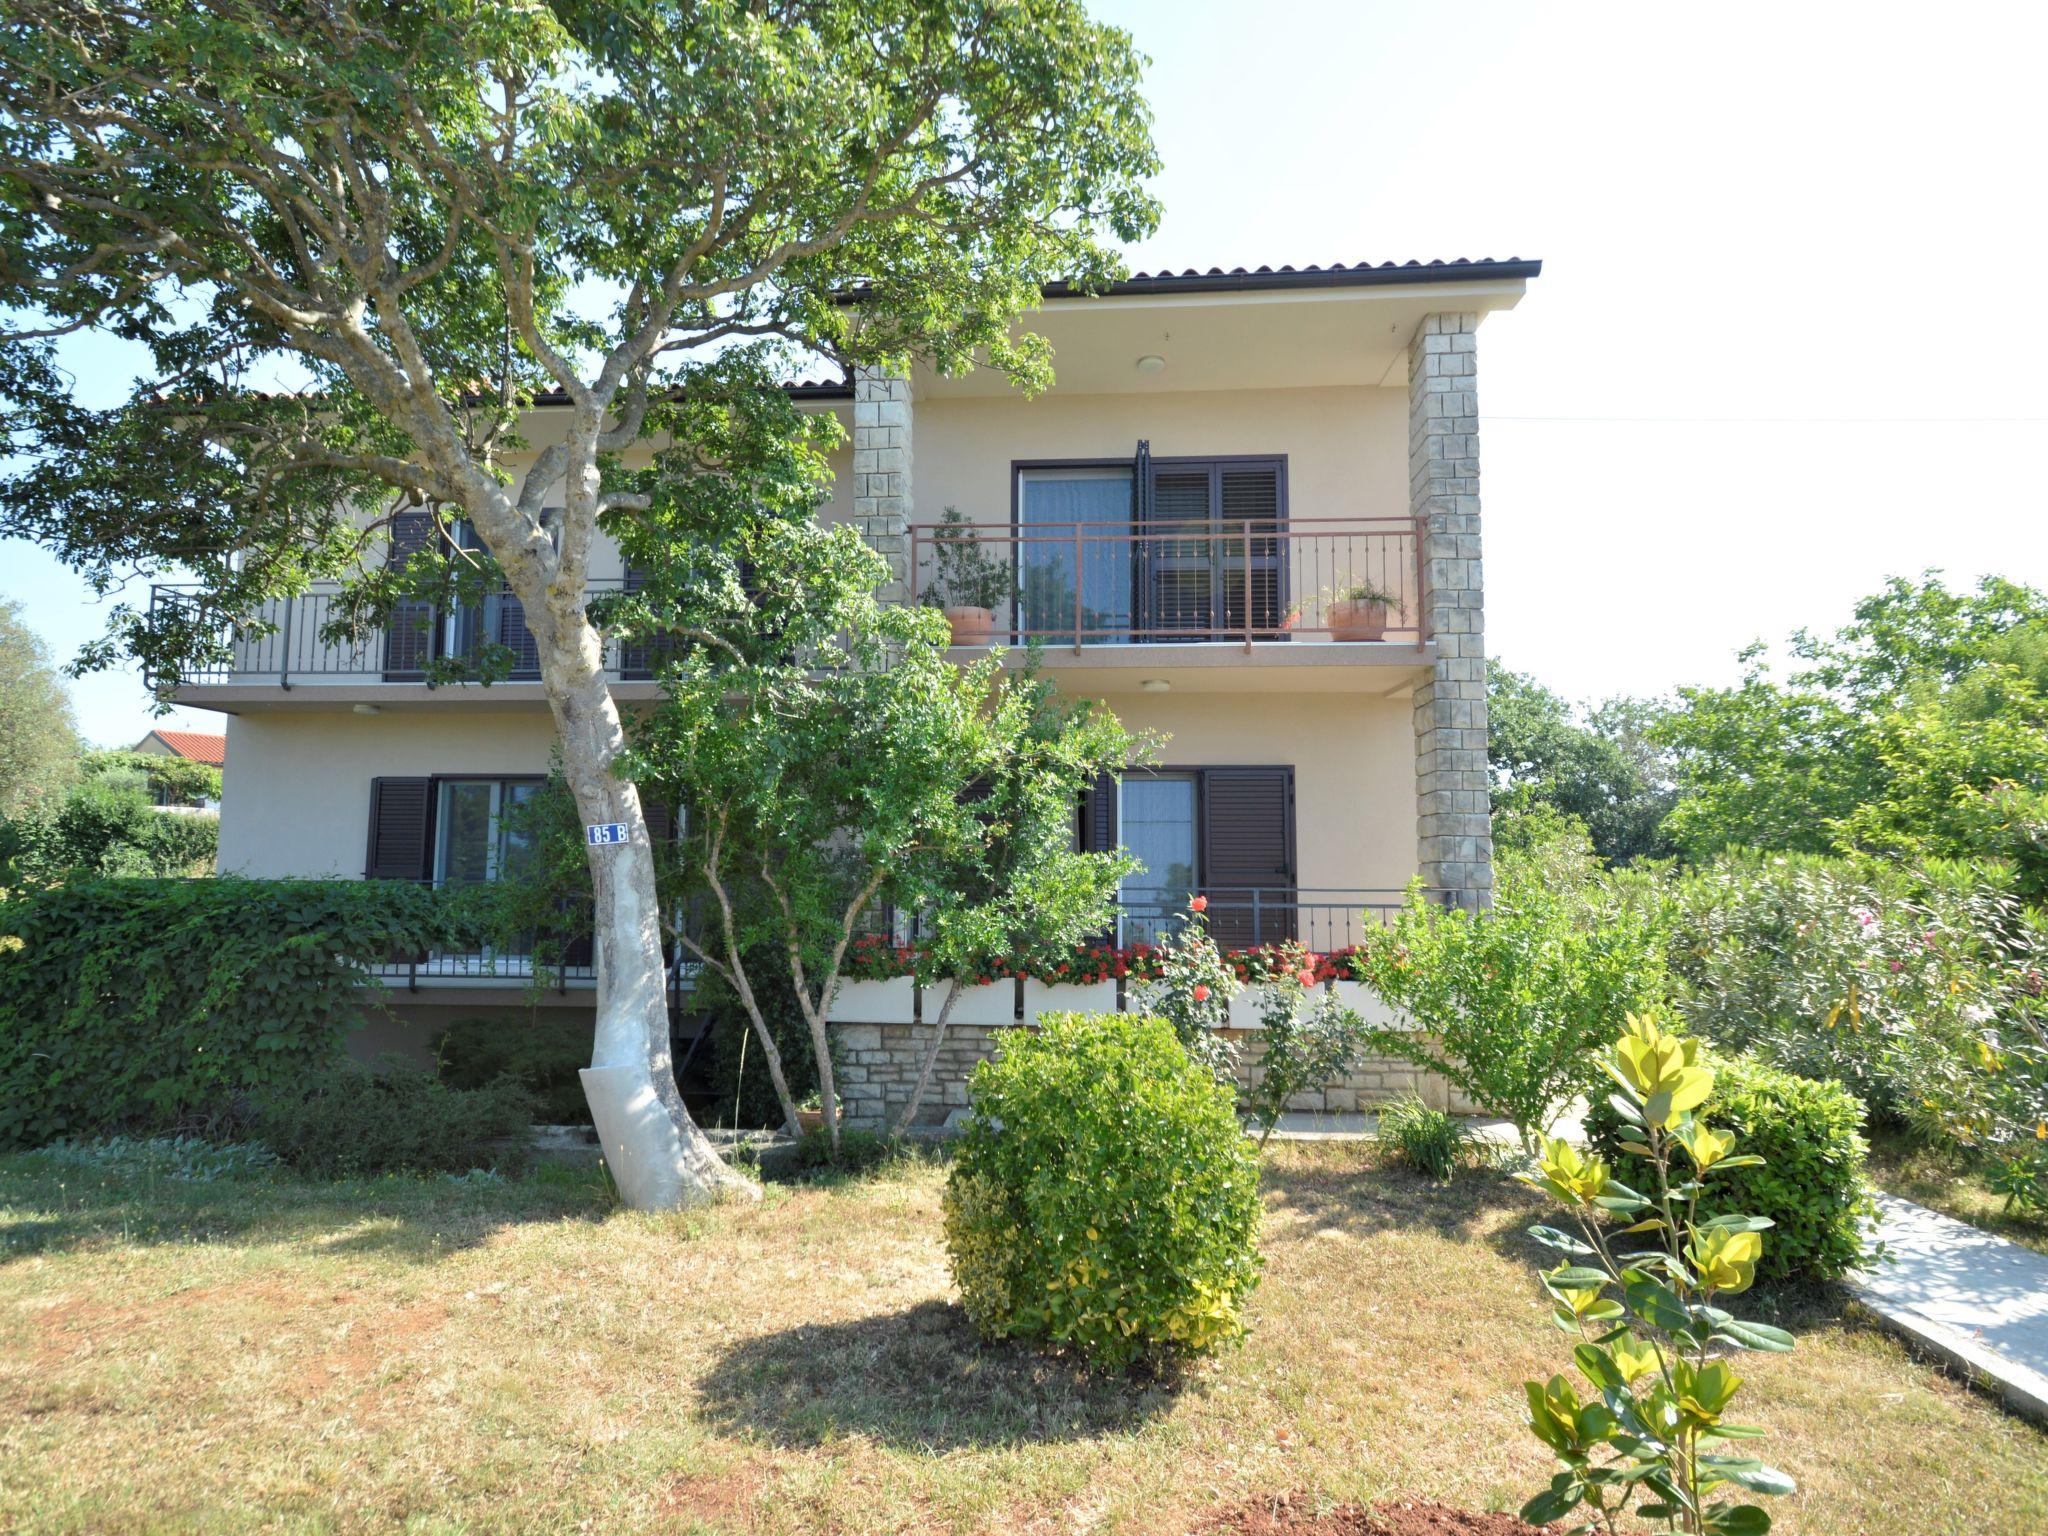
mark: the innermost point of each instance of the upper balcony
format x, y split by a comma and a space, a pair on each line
1221, 602
1221, 605
288, 658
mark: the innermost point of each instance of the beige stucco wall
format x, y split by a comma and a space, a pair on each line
1347, 449
298, 784
296, 795
1353, 761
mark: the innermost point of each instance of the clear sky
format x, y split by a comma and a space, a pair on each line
1790, 338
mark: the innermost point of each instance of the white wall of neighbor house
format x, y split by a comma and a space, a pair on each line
1354, 771
296, 797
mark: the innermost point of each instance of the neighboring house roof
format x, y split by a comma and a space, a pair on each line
196, 745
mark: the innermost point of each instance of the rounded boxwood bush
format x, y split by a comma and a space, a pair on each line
1104, 1195
1811, 1183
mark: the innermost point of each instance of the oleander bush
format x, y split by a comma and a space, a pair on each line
398, 1118
1103, 1196
1811, 1183
148, 1005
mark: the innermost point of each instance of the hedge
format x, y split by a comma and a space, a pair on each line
1811, 1183
141, 1005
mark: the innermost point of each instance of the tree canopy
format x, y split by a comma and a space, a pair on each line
1920, 728
38, 739
1600, 766
358, 242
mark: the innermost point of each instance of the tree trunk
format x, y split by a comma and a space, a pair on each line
931, 1058
657, 1154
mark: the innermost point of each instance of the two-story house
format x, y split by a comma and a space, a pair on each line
1247, 517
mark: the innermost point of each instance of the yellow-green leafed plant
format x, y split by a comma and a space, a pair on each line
1651, 1438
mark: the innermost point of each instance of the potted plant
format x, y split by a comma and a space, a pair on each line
1357, 610
968, 584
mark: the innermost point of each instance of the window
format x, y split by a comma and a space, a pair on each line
1074, 530
1160, 814
474, 838
1225, 833
1152, 549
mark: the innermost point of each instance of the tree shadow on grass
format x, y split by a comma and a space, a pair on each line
1361, 1193
919, 1379
47, 1207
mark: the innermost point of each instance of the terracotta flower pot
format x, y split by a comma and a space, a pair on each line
971, 626
1356, 621
810, 1119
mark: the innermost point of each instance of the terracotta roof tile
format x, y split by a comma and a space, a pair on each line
197, 745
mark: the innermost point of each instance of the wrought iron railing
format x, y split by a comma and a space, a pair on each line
289, 641
1309, 580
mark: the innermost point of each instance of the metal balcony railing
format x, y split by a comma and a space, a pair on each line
287, 643
1248, 580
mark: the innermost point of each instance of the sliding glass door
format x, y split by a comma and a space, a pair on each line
1074, 553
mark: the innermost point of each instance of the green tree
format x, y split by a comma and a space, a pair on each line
427, 214
38, 739
834, 765
169, 780
1602, 765
1920, 727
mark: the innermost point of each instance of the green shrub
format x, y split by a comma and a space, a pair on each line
541, 1054
1511, 1000
1644, 1286
397, 1119
1428, 1140
1103, 1195
145, 1005
858, 1150
1307, 1037
1811, 1183
741, 1094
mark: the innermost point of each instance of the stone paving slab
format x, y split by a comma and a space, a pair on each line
1977, 1300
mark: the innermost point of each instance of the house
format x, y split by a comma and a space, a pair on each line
1225, 457
193, 747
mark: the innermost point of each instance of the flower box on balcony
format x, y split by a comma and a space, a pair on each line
1245, 1004
995, 1003
1368, 1004
874, 1002
1067, 997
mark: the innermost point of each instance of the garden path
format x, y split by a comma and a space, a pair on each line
1969, 1296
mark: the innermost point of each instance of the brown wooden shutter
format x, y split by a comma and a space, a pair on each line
1249, 494
401, 827
636, 657
508, 627
1098, 816
409, 633
1178, 553
1248, 845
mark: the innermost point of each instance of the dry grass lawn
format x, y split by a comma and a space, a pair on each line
426, 1356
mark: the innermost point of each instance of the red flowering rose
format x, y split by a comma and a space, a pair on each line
1201, 993
1198, 903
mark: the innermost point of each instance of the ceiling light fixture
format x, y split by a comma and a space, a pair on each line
368, 709
1155, 685
1151, 362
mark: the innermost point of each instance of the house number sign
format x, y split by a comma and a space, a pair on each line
604, 834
